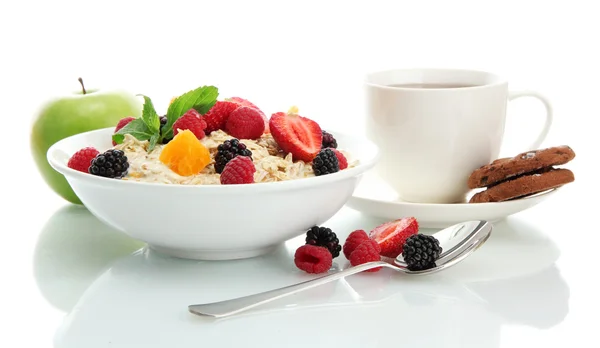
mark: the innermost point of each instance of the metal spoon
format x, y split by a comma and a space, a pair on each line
457, 242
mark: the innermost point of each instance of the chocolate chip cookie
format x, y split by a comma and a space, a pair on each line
525, 185
523, 175
526, 162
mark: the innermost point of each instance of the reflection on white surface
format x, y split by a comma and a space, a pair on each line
72, 250
515, 248
142, 301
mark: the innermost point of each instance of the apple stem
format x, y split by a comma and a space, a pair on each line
82, 86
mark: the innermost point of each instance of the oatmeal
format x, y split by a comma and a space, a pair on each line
271, 163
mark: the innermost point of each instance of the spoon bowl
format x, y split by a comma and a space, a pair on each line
457, 241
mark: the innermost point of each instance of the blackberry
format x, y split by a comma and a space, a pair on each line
328, 141
420, 252
325, 162
110, 164
227, 151
163, 122
324, 237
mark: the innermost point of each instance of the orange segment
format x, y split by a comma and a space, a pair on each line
185, 155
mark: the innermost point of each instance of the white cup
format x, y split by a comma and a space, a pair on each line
431, 138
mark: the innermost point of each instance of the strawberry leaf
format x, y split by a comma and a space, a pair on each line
201, 99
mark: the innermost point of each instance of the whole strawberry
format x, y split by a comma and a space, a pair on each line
217, 116
392, 235
122, 123
245, 123
190, 120
296, 134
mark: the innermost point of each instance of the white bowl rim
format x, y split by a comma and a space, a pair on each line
364, 165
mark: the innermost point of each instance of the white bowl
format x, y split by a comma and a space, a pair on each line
212, 222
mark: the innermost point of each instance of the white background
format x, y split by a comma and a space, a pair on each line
313, 54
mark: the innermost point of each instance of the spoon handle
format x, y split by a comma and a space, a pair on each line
236, 305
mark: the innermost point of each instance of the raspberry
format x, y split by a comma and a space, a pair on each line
217, 116
227, 151
239, 170
354, 239
110, 164
325, 162
190, 120
245, 123
342, 161
313, 259
367, 251
82, 159
328, 141
122, 123
244, 102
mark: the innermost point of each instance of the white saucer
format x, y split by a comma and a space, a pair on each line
375, 197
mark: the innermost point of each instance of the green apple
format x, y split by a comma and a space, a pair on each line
80, 112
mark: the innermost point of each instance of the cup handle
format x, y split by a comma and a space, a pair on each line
512, 95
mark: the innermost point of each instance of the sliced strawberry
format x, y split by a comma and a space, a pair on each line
392, 235
297, 135
244, 102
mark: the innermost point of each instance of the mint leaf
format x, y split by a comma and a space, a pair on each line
153, 141
137, 128
202, 99
149, 115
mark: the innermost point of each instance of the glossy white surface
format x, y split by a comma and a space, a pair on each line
375, 197
431, 139
212, 222
541, 291
141, 299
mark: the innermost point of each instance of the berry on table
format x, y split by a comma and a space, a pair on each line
313, 259
325, 162
296, 134
192, 121
217, 116
239, 170
109, 164
245, 123
392, 235
82, 159
367, 251
122, 123
421, 251
228, 151
328, 141
353, 240
324, 237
